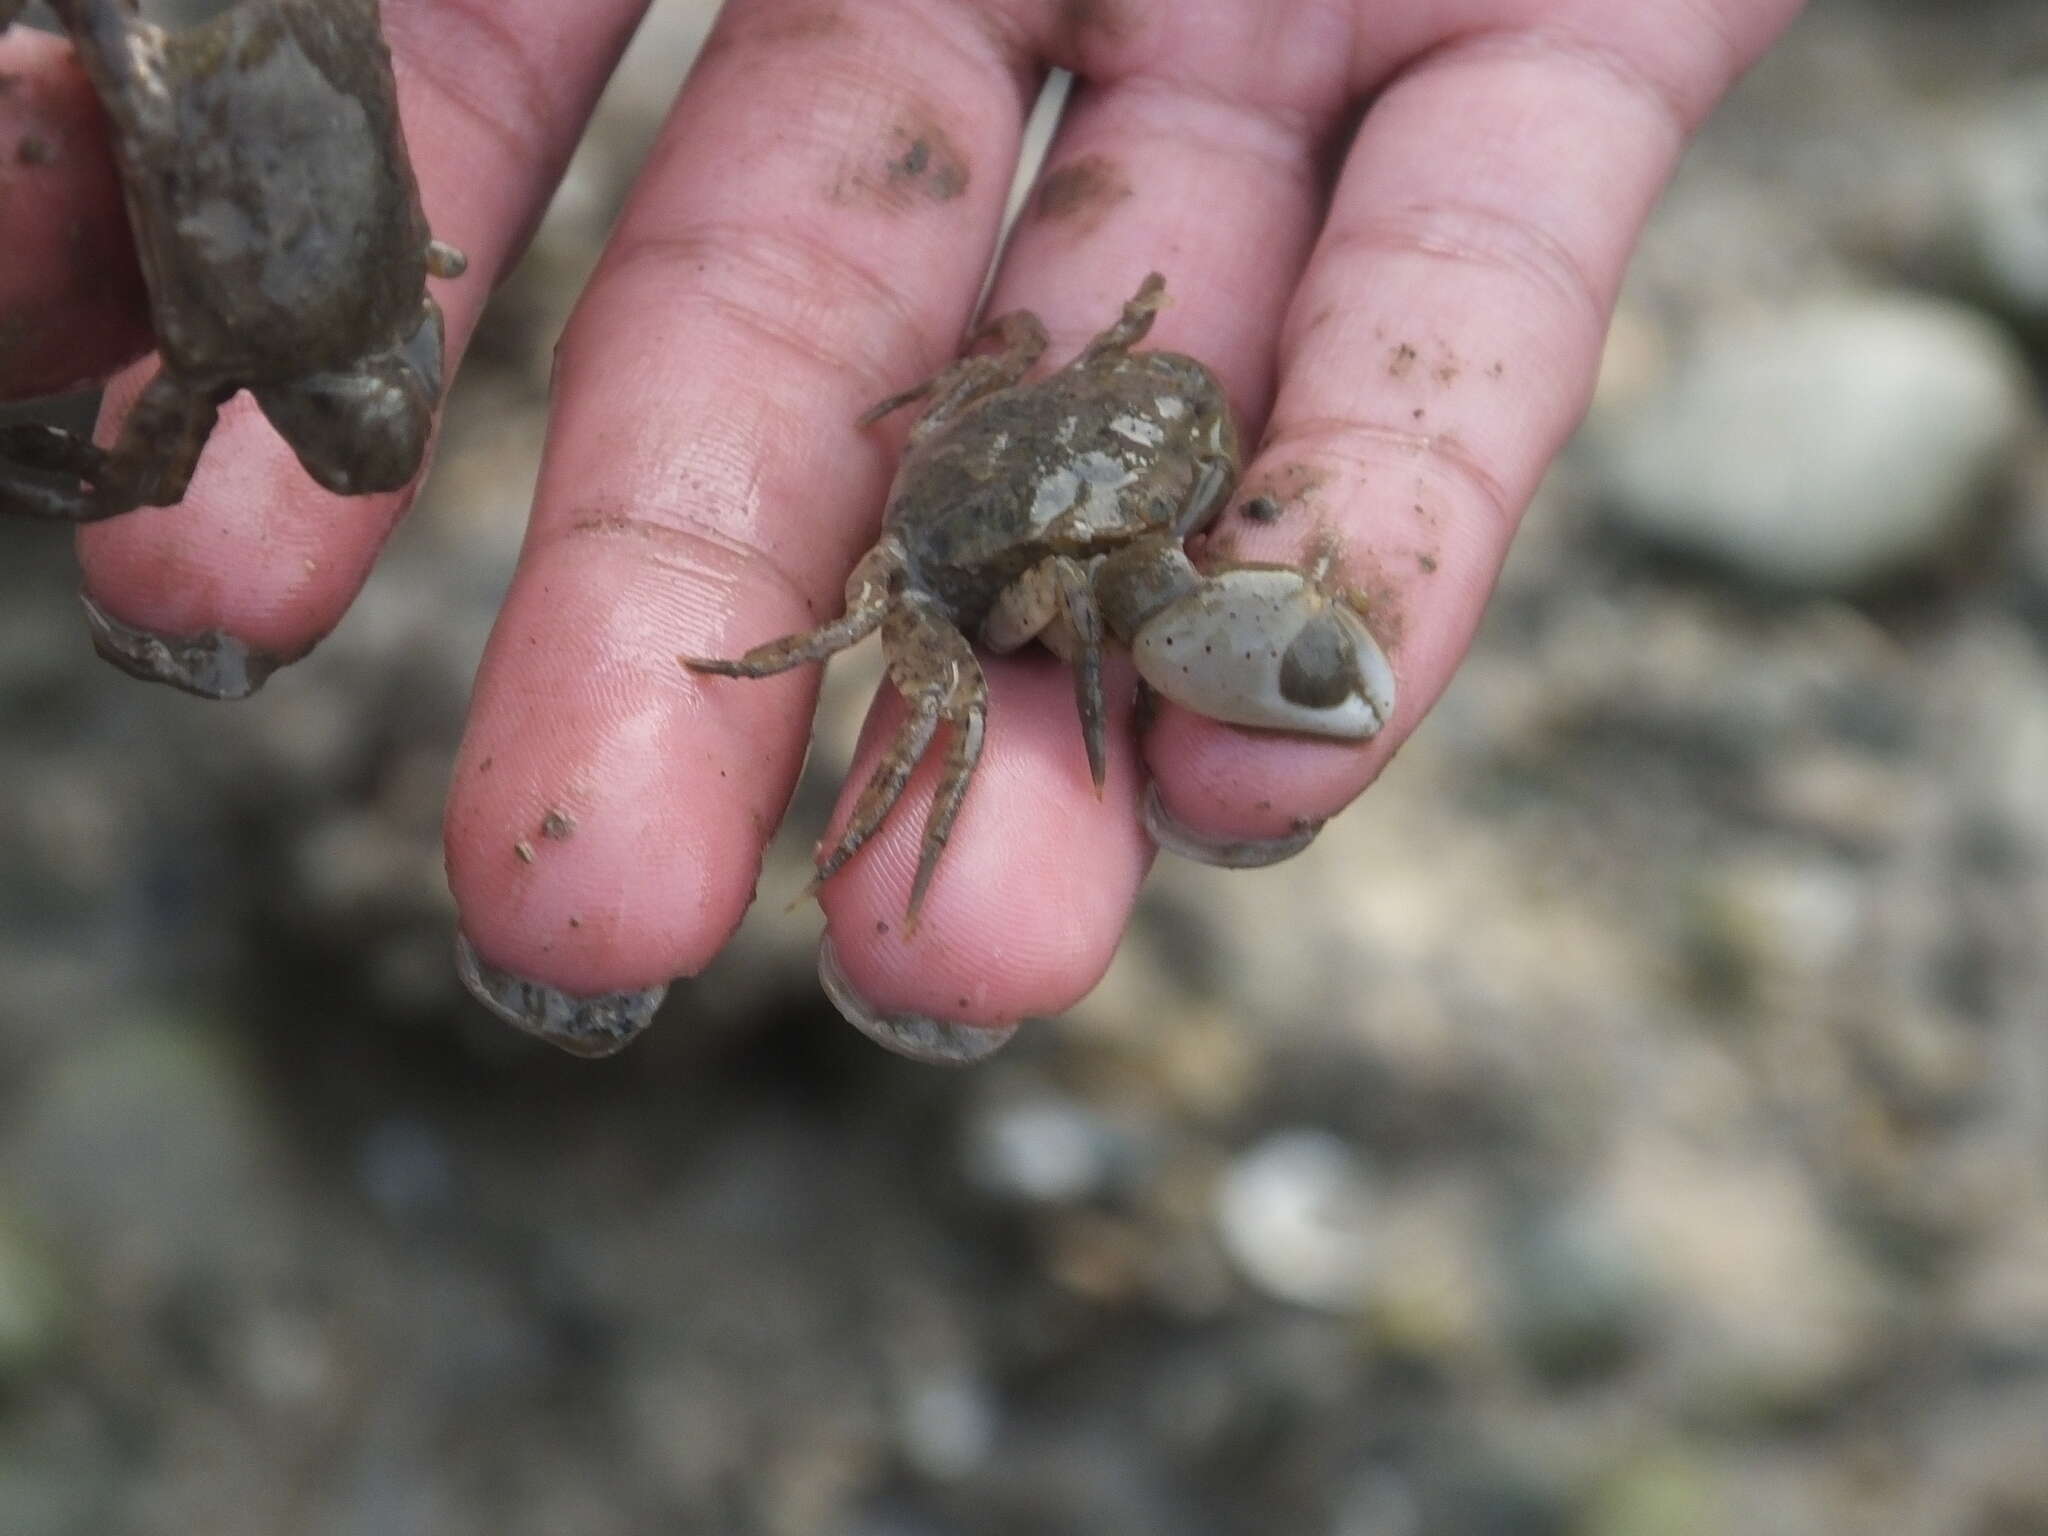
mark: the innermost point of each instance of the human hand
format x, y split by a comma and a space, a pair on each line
1411, 307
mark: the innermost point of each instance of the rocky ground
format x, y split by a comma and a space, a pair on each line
1631, 1120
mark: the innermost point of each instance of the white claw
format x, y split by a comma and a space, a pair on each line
1269, 646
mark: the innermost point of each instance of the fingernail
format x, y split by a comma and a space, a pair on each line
934, 1041
583, 1026
1223, 852
211, 664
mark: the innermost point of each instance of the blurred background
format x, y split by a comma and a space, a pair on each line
1630, 1120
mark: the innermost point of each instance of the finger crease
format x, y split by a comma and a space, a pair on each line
1276, 132
696, 548
1678, 107
1473, 234
1351, 442
767, 275
448, 65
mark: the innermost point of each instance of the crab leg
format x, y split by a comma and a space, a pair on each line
1054, 603
969, 726
883, 788
117, 46
867, 604
1130, 327
933, 667
150, 465
960, 384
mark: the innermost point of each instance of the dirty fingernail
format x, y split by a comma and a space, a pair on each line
934, 1041
1223, 852
583, 1026
211, 664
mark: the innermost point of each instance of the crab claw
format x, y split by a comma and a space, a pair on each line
1268, 646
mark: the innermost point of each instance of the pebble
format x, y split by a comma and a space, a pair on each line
1768, 1311
946, 1424
1830, 443
1294, 1212
1662, 1492
1579, 1297
145, 1143
1043, 1148
33, 1315
1997, 181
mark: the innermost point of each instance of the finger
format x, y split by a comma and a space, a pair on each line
1193, 145
1014, 922
808, 235
494, 94
1441, 347
72, 307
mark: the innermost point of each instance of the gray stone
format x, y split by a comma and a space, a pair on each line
1664, 1492
1295, 1214
1997, 181
41, 1498
1040, 1146
1829, 443
145, 1146
33, 1315
1578, 1294
1769, 1312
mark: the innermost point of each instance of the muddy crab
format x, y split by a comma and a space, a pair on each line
1056, 510
281, 237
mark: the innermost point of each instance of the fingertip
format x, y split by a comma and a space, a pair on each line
1242, 798
935, 1042
608, 809
254, 556
1036, 885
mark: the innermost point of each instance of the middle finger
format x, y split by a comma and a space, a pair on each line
1192, 146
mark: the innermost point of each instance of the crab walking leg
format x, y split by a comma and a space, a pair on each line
867, 604
933, 667
118, 47
960, 384
1130, 327
138, 471
965, 694
1077, 607
52, 450
884, 787
1205, 498
1054, 604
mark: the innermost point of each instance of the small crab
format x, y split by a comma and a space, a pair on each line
280, 234
1056, 511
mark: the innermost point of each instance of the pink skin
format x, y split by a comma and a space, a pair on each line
72, 307
1439, 315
